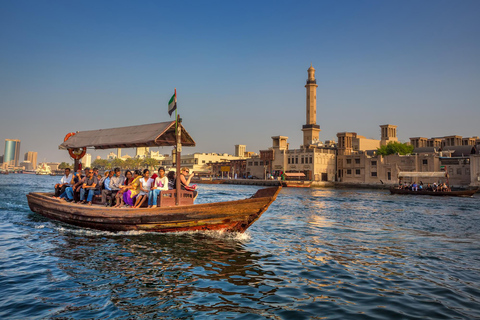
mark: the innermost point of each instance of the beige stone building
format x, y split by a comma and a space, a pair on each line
200, 163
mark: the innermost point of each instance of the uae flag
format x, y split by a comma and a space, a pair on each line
172, 104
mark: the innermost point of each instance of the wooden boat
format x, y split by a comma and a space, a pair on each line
297, 184
453, 193
176, 211
229, 215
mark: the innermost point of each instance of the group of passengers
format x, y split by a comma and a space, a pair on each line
430, 187
131, 190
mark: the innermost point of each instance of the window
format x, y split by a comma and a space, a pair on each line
302, 160
250, 163
349, 161
255, 163
296, 159
425, 161
203, 161
288, 160
374, 163
349, 171
196, 161
374, 174
459, 170
357, 171
261, 163
357, 161
310, 159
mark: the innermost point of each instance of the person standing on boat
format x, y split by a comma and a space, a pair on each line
158, 184
64, 183
89, 186
133, 189
144, 189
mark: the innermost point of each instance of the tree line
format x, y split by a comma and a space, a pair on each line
130, 163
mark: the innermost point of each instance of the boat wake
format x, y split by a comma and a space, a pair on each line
216, 234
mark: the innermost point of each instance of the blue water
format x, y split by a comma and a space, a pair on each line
315, 254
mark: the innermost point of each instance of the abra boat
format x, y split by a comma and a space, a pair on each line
176, 211
453, 193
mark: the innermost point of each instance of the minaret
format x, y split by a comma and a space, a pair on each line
311, 129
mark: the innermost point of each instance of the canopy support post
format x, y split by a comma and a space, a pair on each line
178, 156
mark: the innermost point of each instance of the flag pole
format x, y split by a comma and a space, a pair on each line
178, 152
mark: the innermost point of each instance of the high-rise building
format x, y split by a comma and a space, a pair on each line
32, 157
12, 152
87, 160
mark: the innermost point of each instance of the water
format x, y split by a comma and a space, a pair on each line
315, 254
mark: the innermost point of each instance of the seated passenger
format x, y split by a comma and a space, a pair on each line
64, 183
106, 190
171, 180
89, 187
133, 189
185, 181
144, 189
76, 182
157, 184
123, 188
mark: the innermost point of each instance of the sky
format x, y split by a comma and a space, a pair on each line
239, 68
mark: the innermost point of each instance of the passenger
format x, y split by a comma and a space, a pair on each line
123, 188
69, 192
64, 183
133, 189
89, 185
414, 186
171, 180
157, 184
144, 189
185, 181
107, 190
95, 172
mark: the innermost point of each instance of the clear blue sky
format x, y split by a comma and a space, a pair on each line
239, 68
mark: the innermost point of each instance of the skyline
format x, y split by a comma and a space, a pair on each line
238, 70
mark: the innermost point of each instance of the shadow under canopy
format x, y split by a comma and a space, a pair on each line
145, 135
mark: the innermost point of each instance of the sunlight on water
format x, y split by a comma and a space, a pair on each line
315, 254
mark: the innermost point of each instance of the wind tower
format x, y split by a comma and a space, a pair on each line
311, 130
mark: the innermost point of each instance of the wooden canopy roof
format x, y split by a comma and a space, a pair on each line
146, 135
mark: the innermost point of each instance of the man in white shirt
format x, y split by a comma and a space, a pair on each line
64, 183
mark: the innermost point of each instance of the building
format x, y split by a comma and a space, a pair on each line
86, 161
31, 156
27, 165
240, 150
12, 152
142, 152
53, 165
200, 163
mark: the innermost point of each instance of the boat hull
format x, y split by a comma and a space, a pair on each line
459, 193
234, 216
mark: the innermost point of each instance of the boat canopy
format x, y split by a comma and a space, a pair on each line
145, 135
416, 174
294, 174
